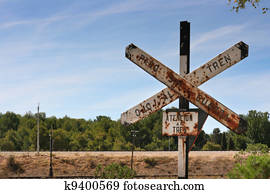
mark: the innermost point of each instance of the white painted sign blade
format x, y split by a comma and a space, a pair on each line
207, 71
184, 88
150, 105
179, 123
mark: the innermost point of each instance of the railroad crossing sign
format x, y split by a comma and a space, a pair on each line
187, 86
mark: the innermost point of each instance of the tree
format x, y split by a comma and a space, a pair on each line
240, 141
223, 141
241, 4
60, 140
258, 127
230, 145
210, 146
8, 121
201, 140
216, 136
6, 145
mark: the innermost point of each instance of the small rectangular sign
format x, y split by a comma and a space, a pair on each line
179, 123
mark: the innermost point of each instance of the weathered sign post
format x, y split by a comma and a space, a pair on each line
183, 141
185, 122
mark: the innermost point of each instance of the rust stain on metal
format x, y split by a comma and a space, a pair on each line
179, 123
187, 86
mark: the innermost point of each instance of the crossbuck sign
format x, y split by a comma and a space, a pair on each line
186, 86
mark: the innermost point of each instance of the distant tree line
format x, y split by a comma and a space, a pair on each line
19, 133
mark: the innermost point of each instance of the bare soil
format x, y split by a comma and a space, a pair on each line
202, 164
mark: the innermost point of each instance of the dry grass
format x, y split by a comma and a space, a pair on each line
201, 164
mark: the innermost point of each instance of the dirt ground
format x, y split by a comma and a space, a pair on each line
202, 164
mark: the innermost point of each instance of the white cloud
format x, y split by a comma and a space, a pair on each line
215, 34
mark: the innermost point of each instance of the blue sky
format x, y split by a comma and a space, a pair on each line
69, 55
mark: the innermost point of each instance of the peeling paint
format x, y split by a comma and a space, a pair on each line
184, 87
207, 71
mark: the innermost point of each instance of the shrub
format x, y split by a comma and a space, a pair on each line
254, 167
257, 148
210, 146
14, 166
114, 171
92, 165
253, 163
150, 162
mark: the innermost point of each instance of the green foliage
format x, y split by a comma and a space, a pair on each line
216, 136
254, 166
14, 166
230, 144
114, 171
60, 140
6, 145
240, 141
241, 4
19, 133
150, 162
257, 148
223, 141
258, 127
210, 146
202, 140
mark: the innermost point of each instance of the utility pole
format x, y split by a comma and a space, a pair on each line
133, 133
38, 129
51, 148
183, 141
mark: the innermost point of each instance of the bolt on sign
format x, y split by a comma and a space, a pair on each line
175, 123
187, 89
199, 76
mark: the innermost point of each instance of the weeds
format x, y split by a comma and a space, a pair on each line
114, 171
150, 162
67, 161
14, 166
254, 163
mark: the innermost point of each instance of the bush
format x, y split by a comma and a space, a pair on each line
14, 166
257, 148
254, 167
253, 163
209, 146
150, 162
114, 171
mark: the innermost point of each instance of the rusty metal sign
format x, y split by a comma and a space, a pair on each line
207, 71
186, 89
179, 123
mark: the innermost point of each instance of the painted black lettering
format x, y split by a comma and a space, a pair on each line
215, 65
155, 103
209, 67
163, 96
198, 98
221, 62
148, 106
141, 57
137, 112
227, 58
156, 67
169, 94
151, 64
